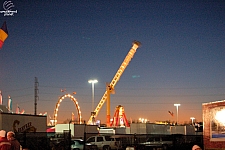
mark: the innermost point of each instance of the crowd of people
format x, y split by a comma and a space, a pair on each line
8, 141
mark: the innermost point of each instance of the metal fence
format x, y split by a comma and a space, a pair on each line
34, 141
42, 141
161, 142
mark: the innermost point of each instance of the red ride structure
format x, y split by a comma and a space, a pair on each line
119, 118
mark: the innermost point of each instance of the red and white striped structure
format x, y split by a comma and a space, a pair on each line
119, 118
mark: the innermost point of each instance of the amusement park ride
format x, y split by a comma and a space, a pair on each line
119, 116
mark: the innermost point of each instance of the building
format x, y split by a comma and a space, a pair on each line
22, 122
151, 128
214, 125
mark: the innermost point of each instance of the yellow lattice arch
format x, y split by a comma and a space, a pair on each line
58, 104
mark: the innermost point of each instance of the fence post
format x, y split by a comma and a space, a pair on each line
84, 135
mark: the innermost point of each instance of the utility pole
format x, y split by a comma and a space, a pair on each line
35, 95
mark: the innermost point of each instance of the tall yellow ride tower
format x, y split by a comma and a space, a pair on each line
110, 87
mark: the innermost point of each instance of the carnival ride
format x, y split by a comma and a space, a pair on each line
119, 118
119, 113
110, 87
58, 104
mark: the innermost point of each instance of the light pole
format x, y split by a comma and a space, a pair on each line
177, 105
92, 82
192, 120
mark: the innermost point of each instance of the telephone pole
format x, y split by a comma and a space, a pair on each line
35, 95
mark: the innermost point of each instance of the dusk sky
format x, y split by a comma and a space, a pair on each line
66, 43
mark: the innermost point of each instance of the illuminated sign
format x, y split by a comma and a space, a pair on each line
217, 123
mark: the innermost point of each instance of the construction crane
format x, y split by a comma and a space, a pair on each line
110, 87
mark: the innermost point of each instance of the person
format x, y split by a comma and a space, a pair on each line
196, 147
4, 143
15, 145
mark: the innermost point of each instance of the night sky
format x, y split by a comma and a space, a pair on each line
66, 43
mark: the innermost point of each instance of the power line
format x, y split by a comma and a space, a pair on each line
18, 89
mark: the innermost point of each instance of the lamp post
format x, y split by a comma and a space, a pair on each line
192, 120
177, 105
92, 82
